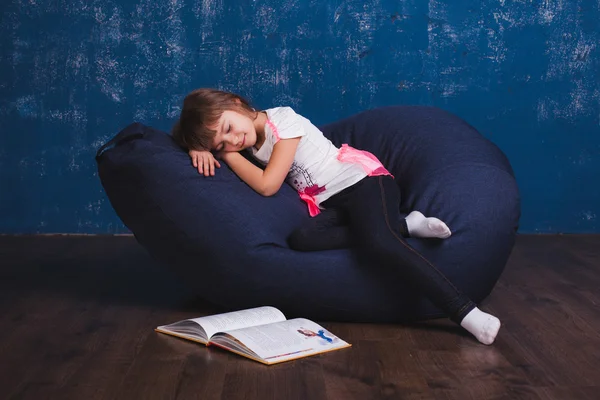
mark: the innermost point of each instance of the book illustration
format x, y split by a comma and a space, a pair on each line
321, 335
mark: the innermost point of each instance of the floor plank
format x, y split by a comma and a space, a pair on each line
78, 314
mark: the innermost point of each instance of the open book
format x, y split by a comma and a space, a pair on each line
262, 334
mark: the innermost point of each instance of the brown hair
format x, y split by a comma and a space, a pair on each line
202, 109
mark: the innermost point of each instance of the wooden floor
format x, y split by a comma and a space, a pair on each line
78, 314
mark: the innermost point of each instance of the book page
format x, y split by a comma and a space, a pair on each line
185, 329
287, 340
239, 319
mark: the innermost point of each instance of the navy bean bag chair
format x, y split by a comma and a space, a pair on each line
229, 242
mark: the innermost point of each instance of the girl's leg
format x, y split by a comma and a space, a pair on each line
327, 231
330, 230
372, 205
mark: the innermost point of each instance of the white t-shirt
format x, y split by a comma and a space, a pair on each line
316, 171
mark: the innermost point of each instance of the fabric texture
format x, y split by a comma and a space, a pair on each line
191, 223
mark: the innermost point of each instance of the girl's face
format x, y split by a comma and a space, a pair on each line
236, 131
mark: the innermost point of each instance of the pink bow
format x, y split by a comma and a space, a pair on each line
313, 209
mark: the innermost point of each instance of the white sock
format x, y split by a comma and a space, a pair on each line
482, 325
421, 227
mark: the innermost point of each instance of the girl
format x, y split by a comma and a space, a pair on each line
351, 182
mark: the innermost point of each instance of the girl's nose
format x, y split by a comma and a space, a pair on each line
232, 140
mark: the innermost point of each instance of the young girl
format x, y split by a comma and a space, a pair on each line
351, 182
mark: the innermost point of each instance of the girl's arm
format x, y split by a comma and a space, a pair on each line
266, 182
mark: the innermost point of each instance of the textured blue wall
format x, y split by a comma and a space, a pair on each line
72, 73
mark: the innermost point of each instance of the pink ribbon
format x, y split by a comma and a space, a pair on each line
368, 161
313, 209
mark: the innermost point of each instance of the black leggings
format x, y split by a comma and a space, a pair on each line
327, 231
366, 216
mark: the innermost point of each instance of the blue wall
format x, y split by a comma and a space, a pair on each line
72, 73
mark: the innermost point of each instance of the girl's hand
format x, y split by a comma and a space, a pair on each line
204, 161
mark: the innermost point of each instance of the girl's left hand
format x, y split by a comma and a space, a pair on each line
204, 161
